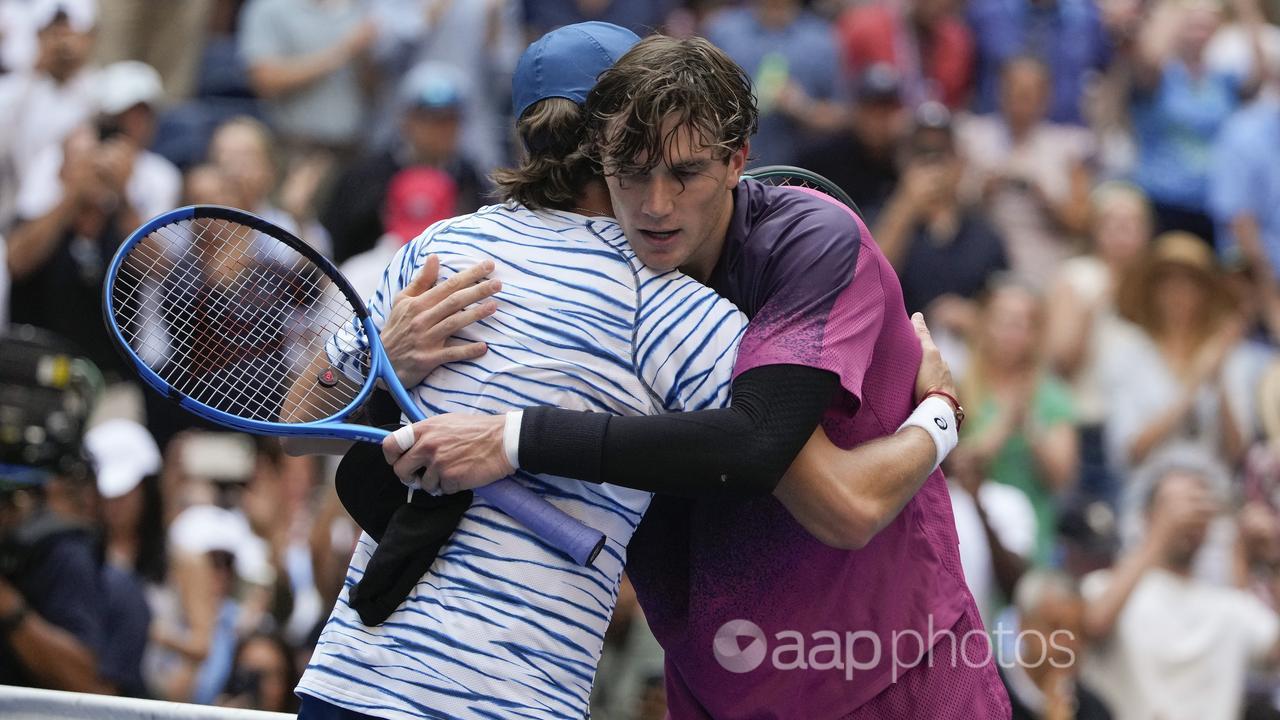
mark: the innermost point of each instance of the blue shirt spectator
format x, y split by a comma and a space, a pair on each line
126, 631
1244, 178
642, 18
788, 53
1066, 35
1174, 125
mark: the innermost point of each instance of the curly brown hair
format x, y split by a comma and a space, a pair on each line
661, 78
554, 169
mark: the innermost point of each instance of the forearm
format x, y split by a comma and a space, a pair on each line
272, 78
1068, 326
844, 497
1057, 453
1233, 443
893, 230
1100, 616
34, 241
1155, 44
55, 658
1074, 213
1157, 430
741, 450
1250, 15
127, 219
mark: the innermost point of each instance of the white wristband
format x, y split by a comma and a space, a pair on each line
936, 417
511, 437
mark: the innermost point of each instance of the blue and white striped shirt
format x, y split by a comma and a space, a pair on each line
502, 626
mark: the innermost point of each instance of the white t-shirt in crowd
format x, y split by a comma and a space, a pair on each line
365, 270
36, 113
1180, 649
154, 187
1014, 522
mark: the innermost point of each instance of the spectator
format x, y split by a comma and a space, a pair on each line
241, 148
263, 675
51, 613
479, 41
996, 527
431, 101
1042, 678
40, 107
1257, 571
642, 18
1020, 425
1164, 643
925, 40
53, 628
128, 464
1082, 319
416, 199
127, 30
58, 260
1066, 35
861, 157
304, 59
1033, 174
214, 553
943, 249
1244, 187
795, 71
127, 93
1178, 107
1167, 381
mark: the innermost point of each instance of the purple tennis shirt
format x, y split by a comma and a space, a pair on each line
819, 293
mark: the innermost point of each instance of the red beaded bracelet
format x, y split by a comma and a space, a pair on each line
954, 404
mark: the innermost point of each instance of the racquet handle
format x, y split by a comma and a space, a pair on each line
553, 525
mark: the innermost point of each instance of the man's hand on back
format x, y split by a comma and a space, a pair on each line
425, 315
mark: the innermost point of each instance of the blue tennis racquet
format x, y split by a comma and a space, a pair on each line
792, 176
247, 326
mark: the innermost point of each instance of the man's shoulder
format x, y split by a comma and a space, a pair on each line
787, 214
555, 243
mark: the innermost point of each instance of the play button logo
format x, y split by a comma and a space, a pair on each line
739, 646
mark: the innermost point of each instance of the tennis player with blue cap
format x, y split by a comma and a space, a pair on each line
488, 621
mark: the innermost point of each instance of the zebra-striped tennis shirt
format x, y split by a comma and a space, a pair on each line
502, 626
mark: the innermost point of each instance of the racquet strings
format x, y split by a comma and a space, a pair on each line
233, 318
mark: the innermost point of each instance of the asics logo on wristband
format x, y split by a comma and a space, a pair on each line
941, 423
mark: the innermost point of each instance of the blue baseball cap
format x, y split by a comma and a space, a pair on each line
432, 85
566, 62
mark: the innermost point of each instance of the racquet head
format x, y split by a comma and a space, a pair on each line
230, 316
792, 176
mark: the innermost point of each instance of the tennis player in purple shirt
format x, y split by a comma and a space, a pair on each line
784, 576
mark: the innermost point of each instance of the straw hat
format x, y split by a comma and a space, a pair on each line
1175, 250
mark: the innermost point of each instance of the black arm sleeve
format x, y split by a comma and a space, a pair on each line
740, 450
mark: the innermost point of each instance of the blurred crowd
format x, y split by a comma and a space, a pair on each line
1082, 196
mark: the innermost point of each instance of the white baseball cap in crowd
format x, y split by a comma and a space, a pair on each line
82, 15
123, 453
201, 529
124, 84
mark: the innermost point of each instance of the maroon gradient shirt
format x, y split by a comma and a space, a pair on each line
819, 293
